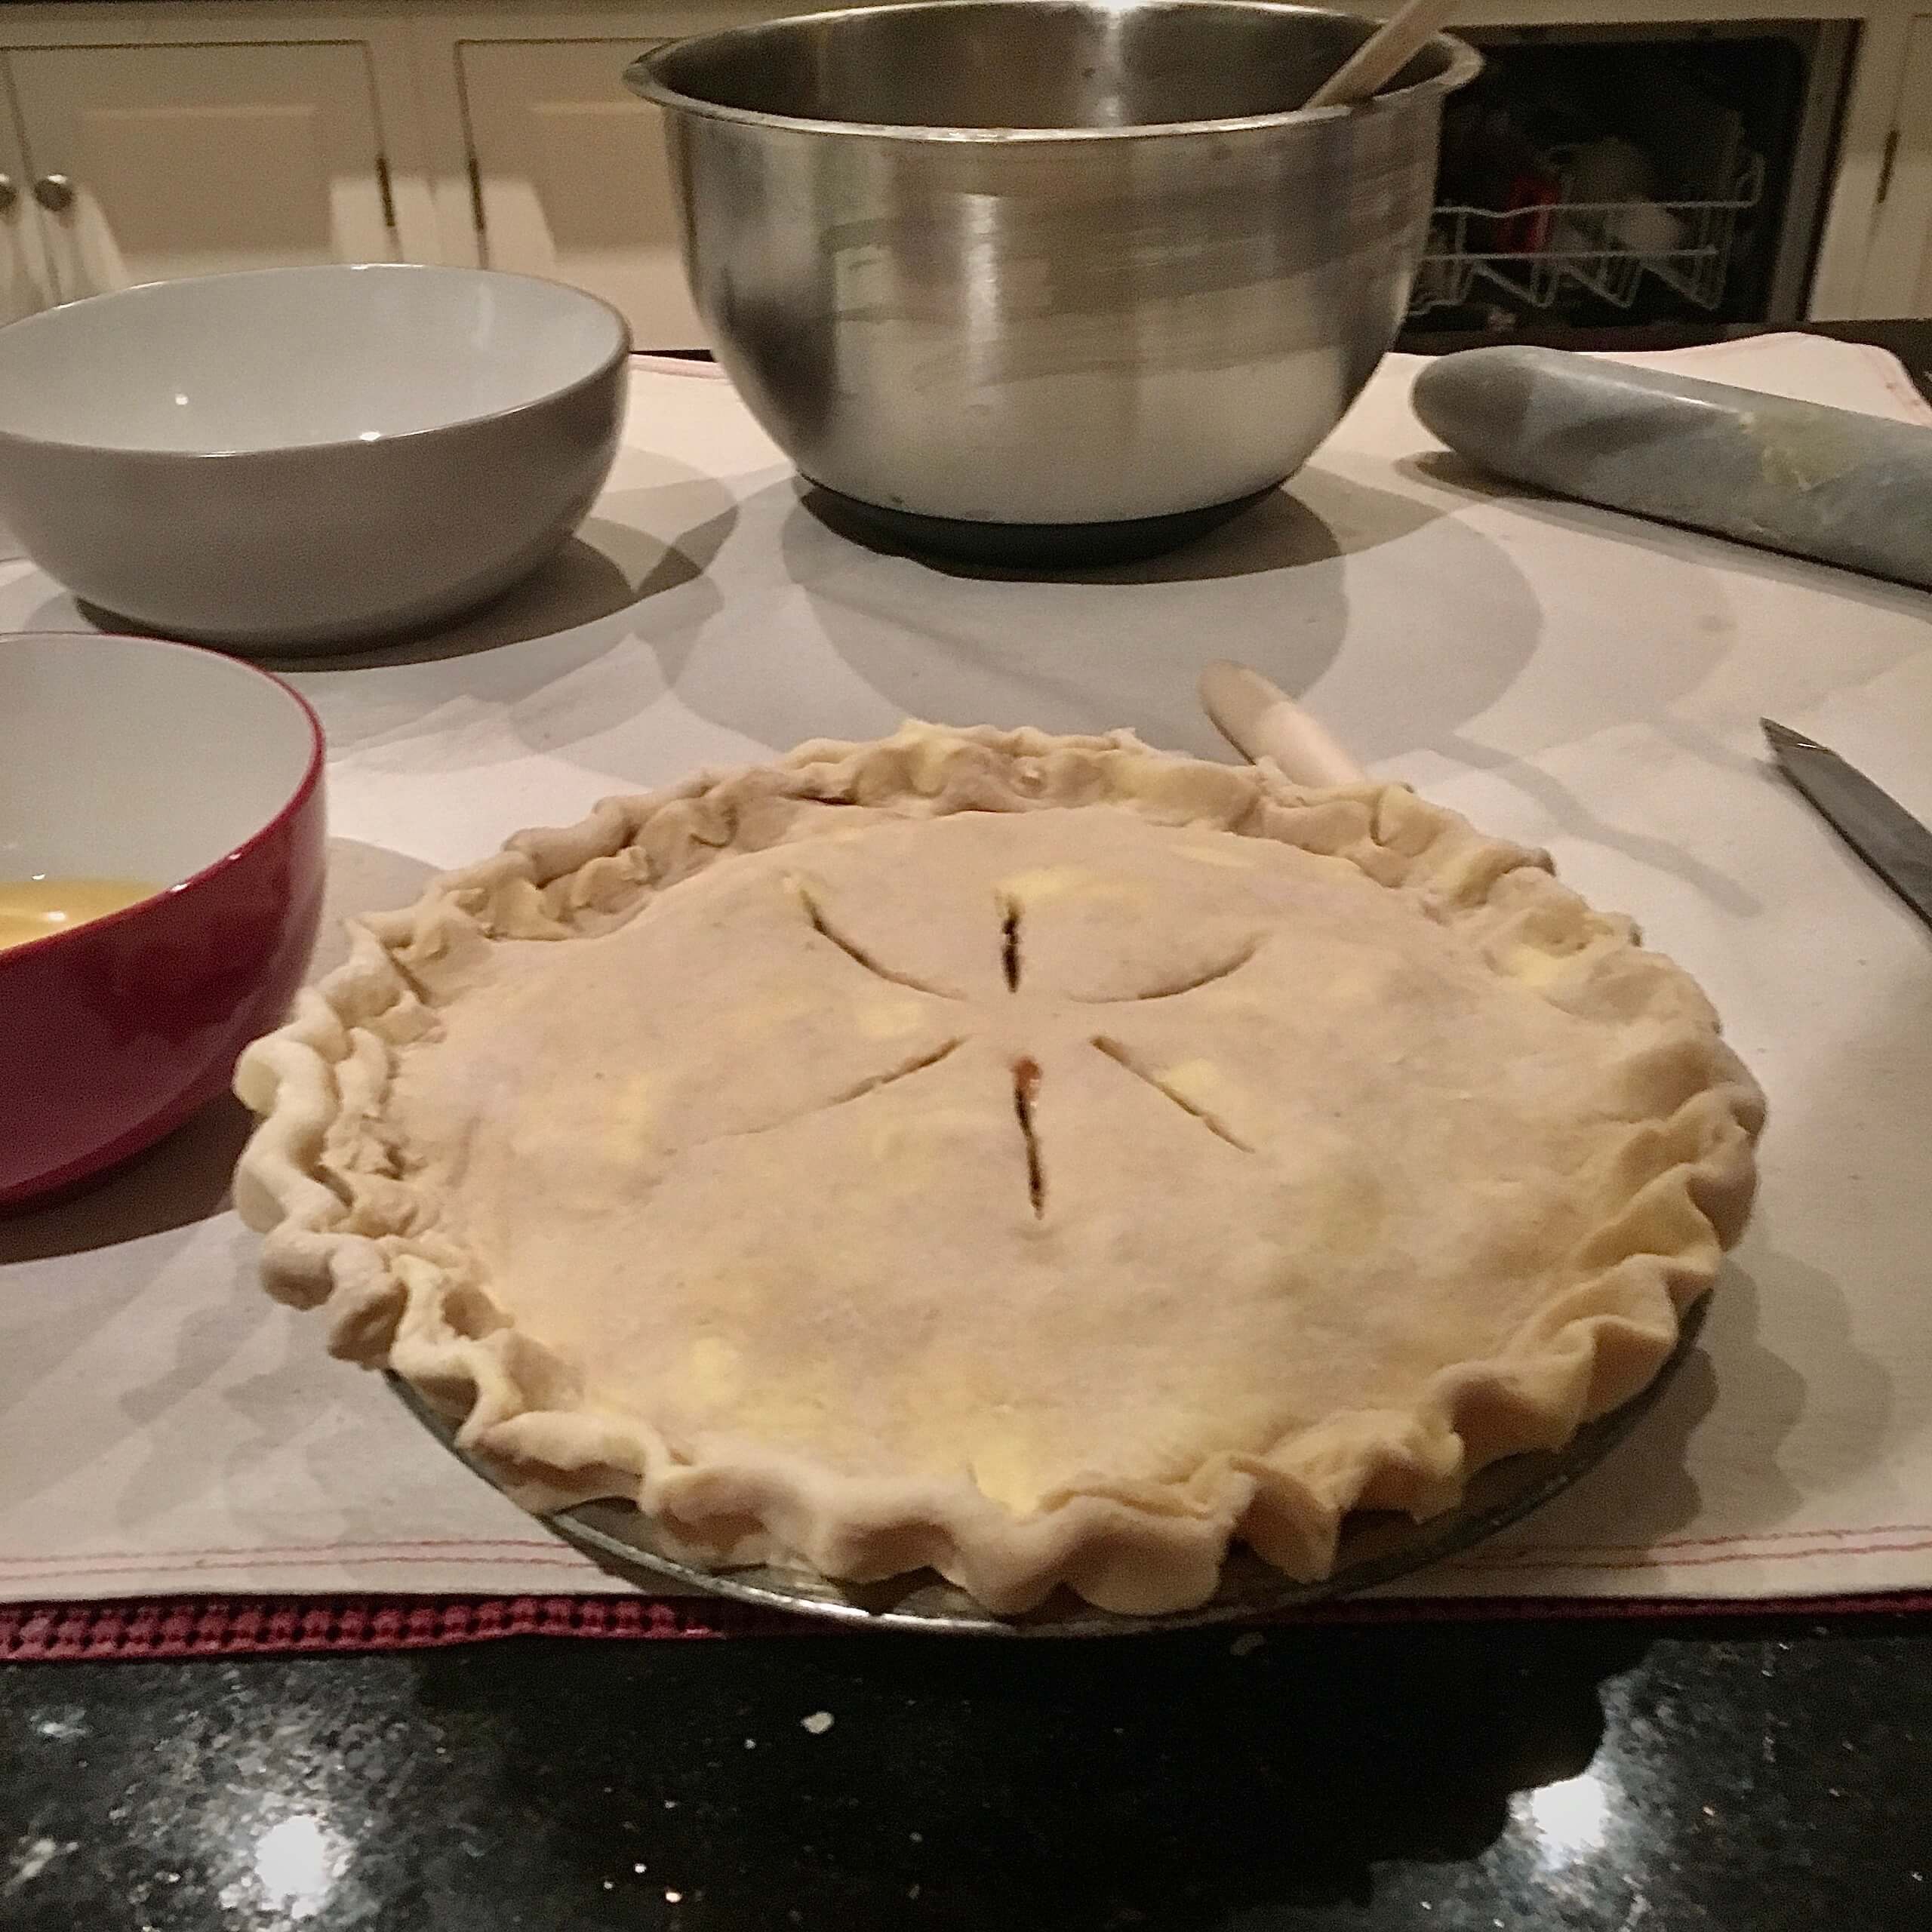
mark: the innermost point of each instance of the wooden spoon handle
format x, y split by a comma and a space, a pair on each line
1260, 721
1384, 54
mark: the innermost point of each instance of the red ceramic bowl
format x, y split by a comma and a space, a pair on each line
129, 758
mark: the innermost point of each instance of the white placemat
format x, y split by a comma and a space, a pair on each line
1566, 677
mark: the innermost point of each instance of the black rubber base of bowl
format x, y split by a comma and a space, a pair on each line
1016, 545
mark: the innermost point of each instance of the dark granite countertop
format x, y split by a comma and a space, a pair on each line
1766, 1775
1601, 1775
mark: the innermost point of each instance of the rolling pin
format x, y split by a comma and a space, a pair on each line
1832, 484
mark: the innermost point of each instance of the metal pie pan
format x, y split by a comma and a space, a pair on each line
1376, 1547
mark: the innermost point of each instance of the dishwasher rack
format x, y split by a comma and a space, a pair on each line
1533, 254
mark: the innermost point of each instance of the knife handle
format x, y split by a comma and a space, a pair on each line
1260, 721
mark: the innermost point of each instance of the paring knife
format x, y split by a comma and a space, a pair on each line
1876, 825
1260, 720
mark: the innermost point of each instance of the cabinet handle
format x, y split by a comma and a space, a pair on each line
54, 192
9, 193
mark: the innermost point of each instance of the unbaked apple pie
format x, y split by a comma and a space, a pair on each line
1041, 1159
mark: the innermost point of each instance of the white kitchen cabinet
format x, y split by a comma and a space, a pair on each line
151, 162
571, 181
1898, 280
24, 282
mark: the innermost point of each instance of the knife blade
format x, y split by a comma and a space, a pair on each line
1874, 825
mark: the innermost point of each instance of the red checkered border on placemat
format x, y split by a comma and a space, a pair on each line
241, 1626
176, 1627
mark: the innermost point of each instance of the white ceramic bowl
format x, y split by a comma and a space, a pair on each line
295, 457
136, 759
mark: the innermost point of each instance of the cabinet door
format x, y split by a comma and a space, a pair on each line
572, 180
1913, 171
190, 160
1898, 277
25, 283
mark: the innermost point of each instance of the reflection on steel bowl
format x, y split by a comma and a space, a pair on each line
1044, 261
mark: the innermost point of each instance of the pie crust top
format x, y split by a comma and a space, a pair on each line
1043, 1159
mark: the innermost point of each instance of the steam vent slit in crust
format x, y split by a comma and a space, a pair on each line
1043, 1159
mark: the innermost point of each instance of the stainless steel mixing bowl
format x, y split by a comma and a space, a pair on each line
1048, 262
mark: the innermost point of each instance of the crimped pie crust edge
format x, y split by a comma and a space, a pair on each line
339, 1232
